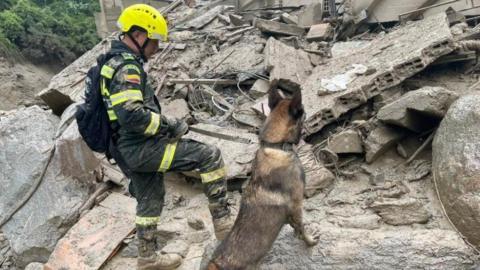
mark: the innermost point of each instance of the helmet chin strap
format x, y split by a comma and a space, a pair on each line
140, 49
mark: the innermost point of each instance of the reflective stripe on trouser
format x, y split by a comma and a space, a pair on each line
146, 221
157, 156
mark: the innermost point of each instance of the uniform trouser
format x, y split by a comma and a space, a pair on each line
148, 165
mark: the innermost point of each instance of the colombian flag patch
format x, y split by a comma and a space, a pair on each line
133, 78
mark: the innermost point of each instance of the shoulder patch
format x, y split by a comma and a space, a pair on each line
132, 67
133, 78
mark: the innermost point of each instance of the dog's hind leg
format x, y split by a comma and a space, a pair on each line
296, 221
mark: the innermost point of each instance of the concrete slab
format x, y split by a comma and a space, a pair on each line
278, 28
96, 236
389, 60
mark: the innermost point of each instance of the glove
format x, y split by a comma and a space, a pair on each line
176, 129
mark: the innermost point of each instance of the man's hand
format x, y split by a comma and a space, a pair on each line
176, 129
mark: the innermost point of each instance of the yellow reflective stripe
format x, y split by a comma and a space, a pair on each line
125, 96
168, 157
146, 221
134, 67
212, 176
103, 89
153, 125
107, 72
112, 115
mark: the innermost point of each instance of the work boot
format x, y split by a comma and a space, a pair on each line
148, 259
222, 219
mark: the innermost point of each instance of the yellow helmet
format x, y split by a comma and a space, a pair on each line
145, 17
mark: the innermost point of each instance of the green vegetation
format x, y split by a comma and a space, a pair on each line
48, 30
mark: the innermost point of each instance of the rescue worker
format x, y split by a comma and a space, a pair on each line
146, 144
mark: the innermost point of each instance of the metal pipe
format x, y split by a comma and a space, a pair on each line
425, 8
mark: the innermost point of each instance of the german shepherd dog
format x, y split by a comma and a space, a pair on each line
274, 195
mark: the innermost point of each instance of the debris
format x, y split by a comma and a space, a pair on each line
259, 89
177, 108
418, 110
310, 15
421, 148
196, 224
401, 212
203, 81
380, 140
237, 20
317, 177
320, 32
418, 169
238, 147
96, 236
179, 247
395, 57
289, 19
455, 170
204, 19
34, 266
271, 27
288, 77
342, 49
348, 141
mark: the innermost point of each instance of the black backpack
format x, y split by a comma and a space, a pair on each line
92, 118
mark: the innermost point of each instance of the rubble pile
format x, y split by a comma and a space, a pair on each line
374, 105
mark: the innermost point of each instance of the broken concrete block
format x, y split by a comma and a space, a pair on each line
310, 15
96, 236
177, 108
67, 87
26, 141
418, 110
289, 18
320, 32
237, 20
346, 142
205, 17
238, 146
455, 166
389, 59
259, 89
380, 140
317, 177
341, 49
401, 212
271, 27
291, 76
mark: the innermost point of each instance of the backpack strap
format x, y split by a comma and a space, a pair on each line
108, 71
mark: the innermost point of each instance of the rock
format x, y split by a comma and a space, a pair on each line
34, 266
401, 212
196, 223
311, 15
177, 108
367, 222
380, 140
288, 77
389, 59
320, 32
348, 141
456, 167
237, 20
317, 177
418, 110
26, 137
341, 248
259, 89
271, 27
96, 236
418, 169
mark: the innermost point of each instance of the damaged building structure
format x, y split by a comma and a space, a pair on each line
390, 90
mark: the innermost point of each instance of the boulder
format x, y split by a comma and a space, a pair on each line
418, 110
26, 139
456, 165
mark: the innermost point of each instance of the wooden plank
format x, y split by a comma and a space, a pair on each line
96, 236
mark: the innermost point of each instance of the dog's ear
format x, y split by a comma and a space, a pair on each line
274, 97
296, 107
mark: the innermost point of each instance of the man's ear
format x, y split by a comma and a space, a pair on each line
274, 97
296, 107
